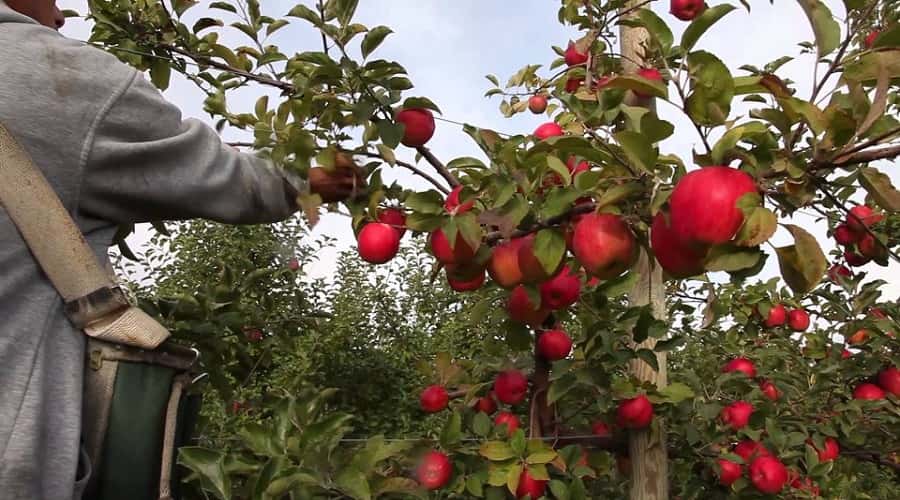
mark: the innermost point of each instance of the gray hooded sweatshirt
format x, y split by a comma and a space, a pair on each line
116, 152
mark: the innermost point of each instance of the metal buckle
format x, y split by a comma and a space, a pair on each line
96, 305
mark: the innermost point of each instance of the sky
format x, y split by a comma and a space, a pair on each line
448, 48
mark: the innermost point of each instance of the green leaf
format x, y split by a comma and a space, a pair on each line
559, 489
702, 23
638, 84
426, 202
802, 264
373, 39
354, 483
160, 73
549, 248
518, 336
496, 451
390, 133
758, 227
206, 23
676, 392
880, 188
513, 473
649, 357
731, 258
452, 432
541, 457
868, 66
826, 29
560, 168
481, 424
657, 28
181, 6
223, 6
209, 465
731, 138
475, 486
559, 388
638, 148
424, 102
712, 89
618, 193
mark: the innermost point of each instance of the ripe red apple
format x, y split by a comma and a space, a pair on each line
537, 104
838, 272
798, 320
686, 10
889, 380
704, 208
573, 56
871, 249
509, 420
831, 451
604, 245
845, 354
561, 291
253, 334
511, 387
777, 316
378, 243
768, 475
861, 217
530, 487
870, 39
532, 269
749, 449
858, 337
486, 404
461, 253
652, 74
294, 264
769, 390
554, 345
743, 365
452, 203
634, 413
601, 429
548, 130
870, 392
463, 283
434, 399
845, 236
395, 218
676, 258
855, 259
504, 264
729, 472
521, 309
419, 124
576, 169
737, 414
434, 470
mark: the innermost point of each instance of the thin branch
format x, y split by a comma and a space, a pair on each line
407, 166
494, 237
208, 61
440, 167
869, 155
871, 456
871, 142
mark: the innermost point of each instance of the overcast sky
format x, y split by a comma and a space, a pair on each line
448, 47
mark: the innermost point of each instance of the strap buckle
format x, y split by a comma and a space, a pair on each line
96, 305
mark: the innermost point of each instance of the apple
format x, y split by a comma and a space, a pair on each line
530, 487
737, 414
486, 404
652, 74
253, 334
855, 259
434, 399
743, 365
554, 345
845, 354
838, 272
537, 104
460, 253
604, 245
798, 320
686, 10
532, 269
452, 203
729, 472
378, 243
573, 84
749, 449
777, 316
870, 248
573, 57
676, 258
601, 429
877, 313
395, 218
889, 380
294, 264
434, 470
509, 420
845, 236
704, 209
419, 124
602, 81
634, 413
870, 392
870, 39
768, 474
462, 283
861, 217
236, 407
511, 387
548, 130
504, 264
859, 337
831, 451
561, 291
769, 390
521, 309
804, 484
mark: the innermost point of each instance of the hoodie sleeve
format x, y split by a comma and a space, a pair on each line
144, 162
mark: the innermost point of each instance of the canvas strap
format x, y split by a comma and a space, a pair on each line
93, 302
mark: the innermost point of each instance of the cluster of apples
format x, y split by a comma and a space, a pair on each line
860, 246
796, 319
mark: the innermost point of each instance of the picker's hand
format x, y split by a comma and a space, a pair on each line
338, 184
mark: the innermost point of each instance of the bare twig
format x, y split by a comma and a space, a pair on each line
440, 167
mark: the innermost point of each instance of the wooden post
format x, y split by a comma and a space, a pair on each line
647, 449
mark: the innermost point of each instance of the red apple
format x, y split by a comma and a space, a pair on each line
845, 354
561, 291
452, 203
573, 84
686, 10
870, 392
530, 487
548, 130
532, 269
743, 365
729, 472
460, 253
804, 484
576, 169
504, 264
676, 258
704, 208
554, 345
845, 236
877, 313
870, 39
253, 334
419, 124
855, 259
522, 310
434, 399
511, 387
768, 475
434, 470
395, 218
486, 404
604, 245
838, 272
537, 104
798, 320
769, 390
236, 407
509, 420
462, 283
601, 429
748, 450
378, 243
652, 74
858, 337
889, 380
831, 451
294, 264
861, 217
777, 316
737, 414
870, 248
573, 57
634, 413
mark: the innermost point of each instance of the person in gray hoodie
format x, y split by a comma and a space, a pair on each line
115, 151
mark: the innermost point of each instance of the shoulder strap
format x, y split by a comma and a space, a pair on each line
93, 302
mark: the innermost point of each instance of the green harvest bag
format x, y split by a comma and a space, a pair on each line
137, 413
